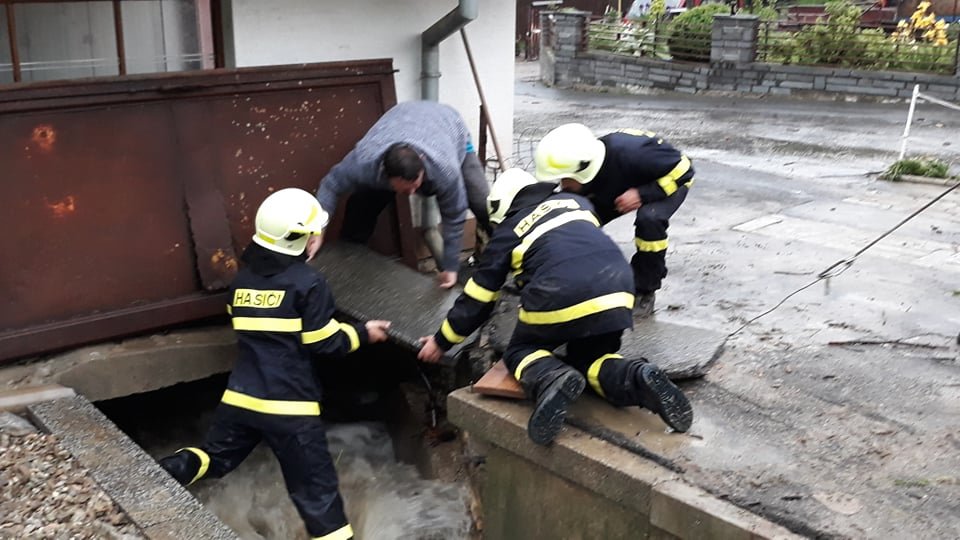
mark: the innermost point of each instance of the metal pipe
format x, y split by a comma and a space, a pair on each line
465, 12
12, 35
906, 128
484, 108
118, 31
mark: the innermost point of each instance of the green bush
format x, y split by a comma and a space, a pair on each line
690, 32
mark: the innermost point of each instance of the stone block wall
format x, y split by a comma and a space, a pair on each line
732, 68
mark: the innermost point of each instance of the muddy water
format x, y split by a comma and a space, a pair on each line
385, 499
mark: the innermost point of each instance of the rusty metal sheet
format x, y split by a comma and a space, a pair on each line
127, 198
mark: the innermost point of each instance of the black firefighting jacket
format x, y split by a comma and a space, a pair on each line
574, 280
282, 311
636, 159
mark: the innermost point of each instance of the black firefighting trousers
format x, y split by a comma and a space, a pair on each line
608, 374
650, 261
300, 444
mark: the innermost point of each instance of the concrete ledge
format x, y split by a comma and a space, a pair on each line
159, 506
671, 507
17, 400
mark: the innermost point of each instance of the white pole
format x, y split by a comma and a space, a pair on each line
906, 128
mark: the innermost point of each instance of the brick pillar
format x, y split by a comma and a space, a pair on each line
734, 39
563, 36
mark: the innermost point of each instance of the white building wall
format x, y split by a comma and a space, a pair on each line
268, 32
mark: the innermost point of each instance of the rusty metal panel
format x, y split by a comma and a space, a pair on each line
128, 198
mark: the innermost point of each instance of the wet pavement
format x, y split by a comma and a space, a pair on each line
838, 413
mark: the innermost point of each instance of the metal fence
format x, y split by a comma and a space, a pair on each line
833, 44
842, 43
653, 40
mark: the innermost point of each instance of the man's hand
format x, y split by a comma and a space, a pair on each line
377, 330
628, 201
313, 246
430, 352
447, 279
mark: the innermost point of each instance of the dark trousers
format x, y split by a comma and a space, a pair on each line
365, 206
300, 444
650, 261
608, 374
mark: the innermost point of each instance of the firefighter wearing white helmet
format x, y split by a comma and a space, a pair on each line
504, 190
625, 171
575, 289
282, 311
286, 219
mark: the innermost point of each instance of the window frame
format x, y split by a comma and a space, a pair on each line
208, 11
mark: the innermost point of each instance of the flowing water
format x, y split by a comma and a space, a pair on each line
385, 499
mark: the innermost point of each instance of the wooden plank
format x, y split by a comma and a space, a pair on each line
499, 382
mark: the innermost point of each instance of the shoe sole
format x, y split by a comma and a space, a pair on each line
675, 408
546, 421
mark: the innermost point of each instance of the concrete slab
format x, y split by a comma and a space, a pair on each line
367, 285
152, 498
682, 351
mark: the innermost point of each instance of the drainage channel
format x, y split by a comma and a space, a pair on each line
379, 435
386, 453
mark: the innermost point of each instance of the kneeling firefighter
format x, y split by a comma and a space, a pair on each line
282, 311
576, 289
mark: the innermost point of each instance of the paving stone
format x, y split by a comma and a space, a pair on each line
683, 352
367, 285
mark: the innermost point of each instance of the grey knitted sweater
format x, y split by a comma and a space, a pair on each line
439, 133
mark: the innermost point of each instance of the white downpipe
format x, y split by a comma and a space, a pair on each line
452, 22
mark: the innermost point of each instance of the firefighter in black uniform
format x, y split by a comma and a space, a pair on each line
282, 311
620, 172
576, 289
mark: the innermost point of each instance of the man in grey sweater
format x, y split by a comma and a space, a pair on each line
418, 147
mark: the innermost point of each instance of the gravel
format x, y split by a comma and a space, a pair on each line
46, 494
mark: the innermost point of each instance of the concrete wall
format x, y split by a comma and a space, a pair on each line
295, 31
731, 68
582, 487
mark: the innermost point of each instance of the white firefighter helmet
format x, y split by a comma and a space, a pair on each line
504, 190
569, 151
287, 218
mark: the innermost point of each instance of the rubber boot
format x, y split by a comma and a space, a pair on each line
643, 307
553, 395
659, 395
183, 466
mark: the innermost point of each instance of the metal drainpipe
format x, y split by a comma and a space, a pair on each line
452, 22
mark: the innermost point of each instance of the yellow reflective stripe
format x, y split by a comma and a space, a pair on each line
529, 359
547, 226
267, 324
343, 533
448, 333
266, 238
204, 462
578, 311
479, 293
650, 245
271, 406
351, 333
593, 373
314, 336
668, 182
229, 309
